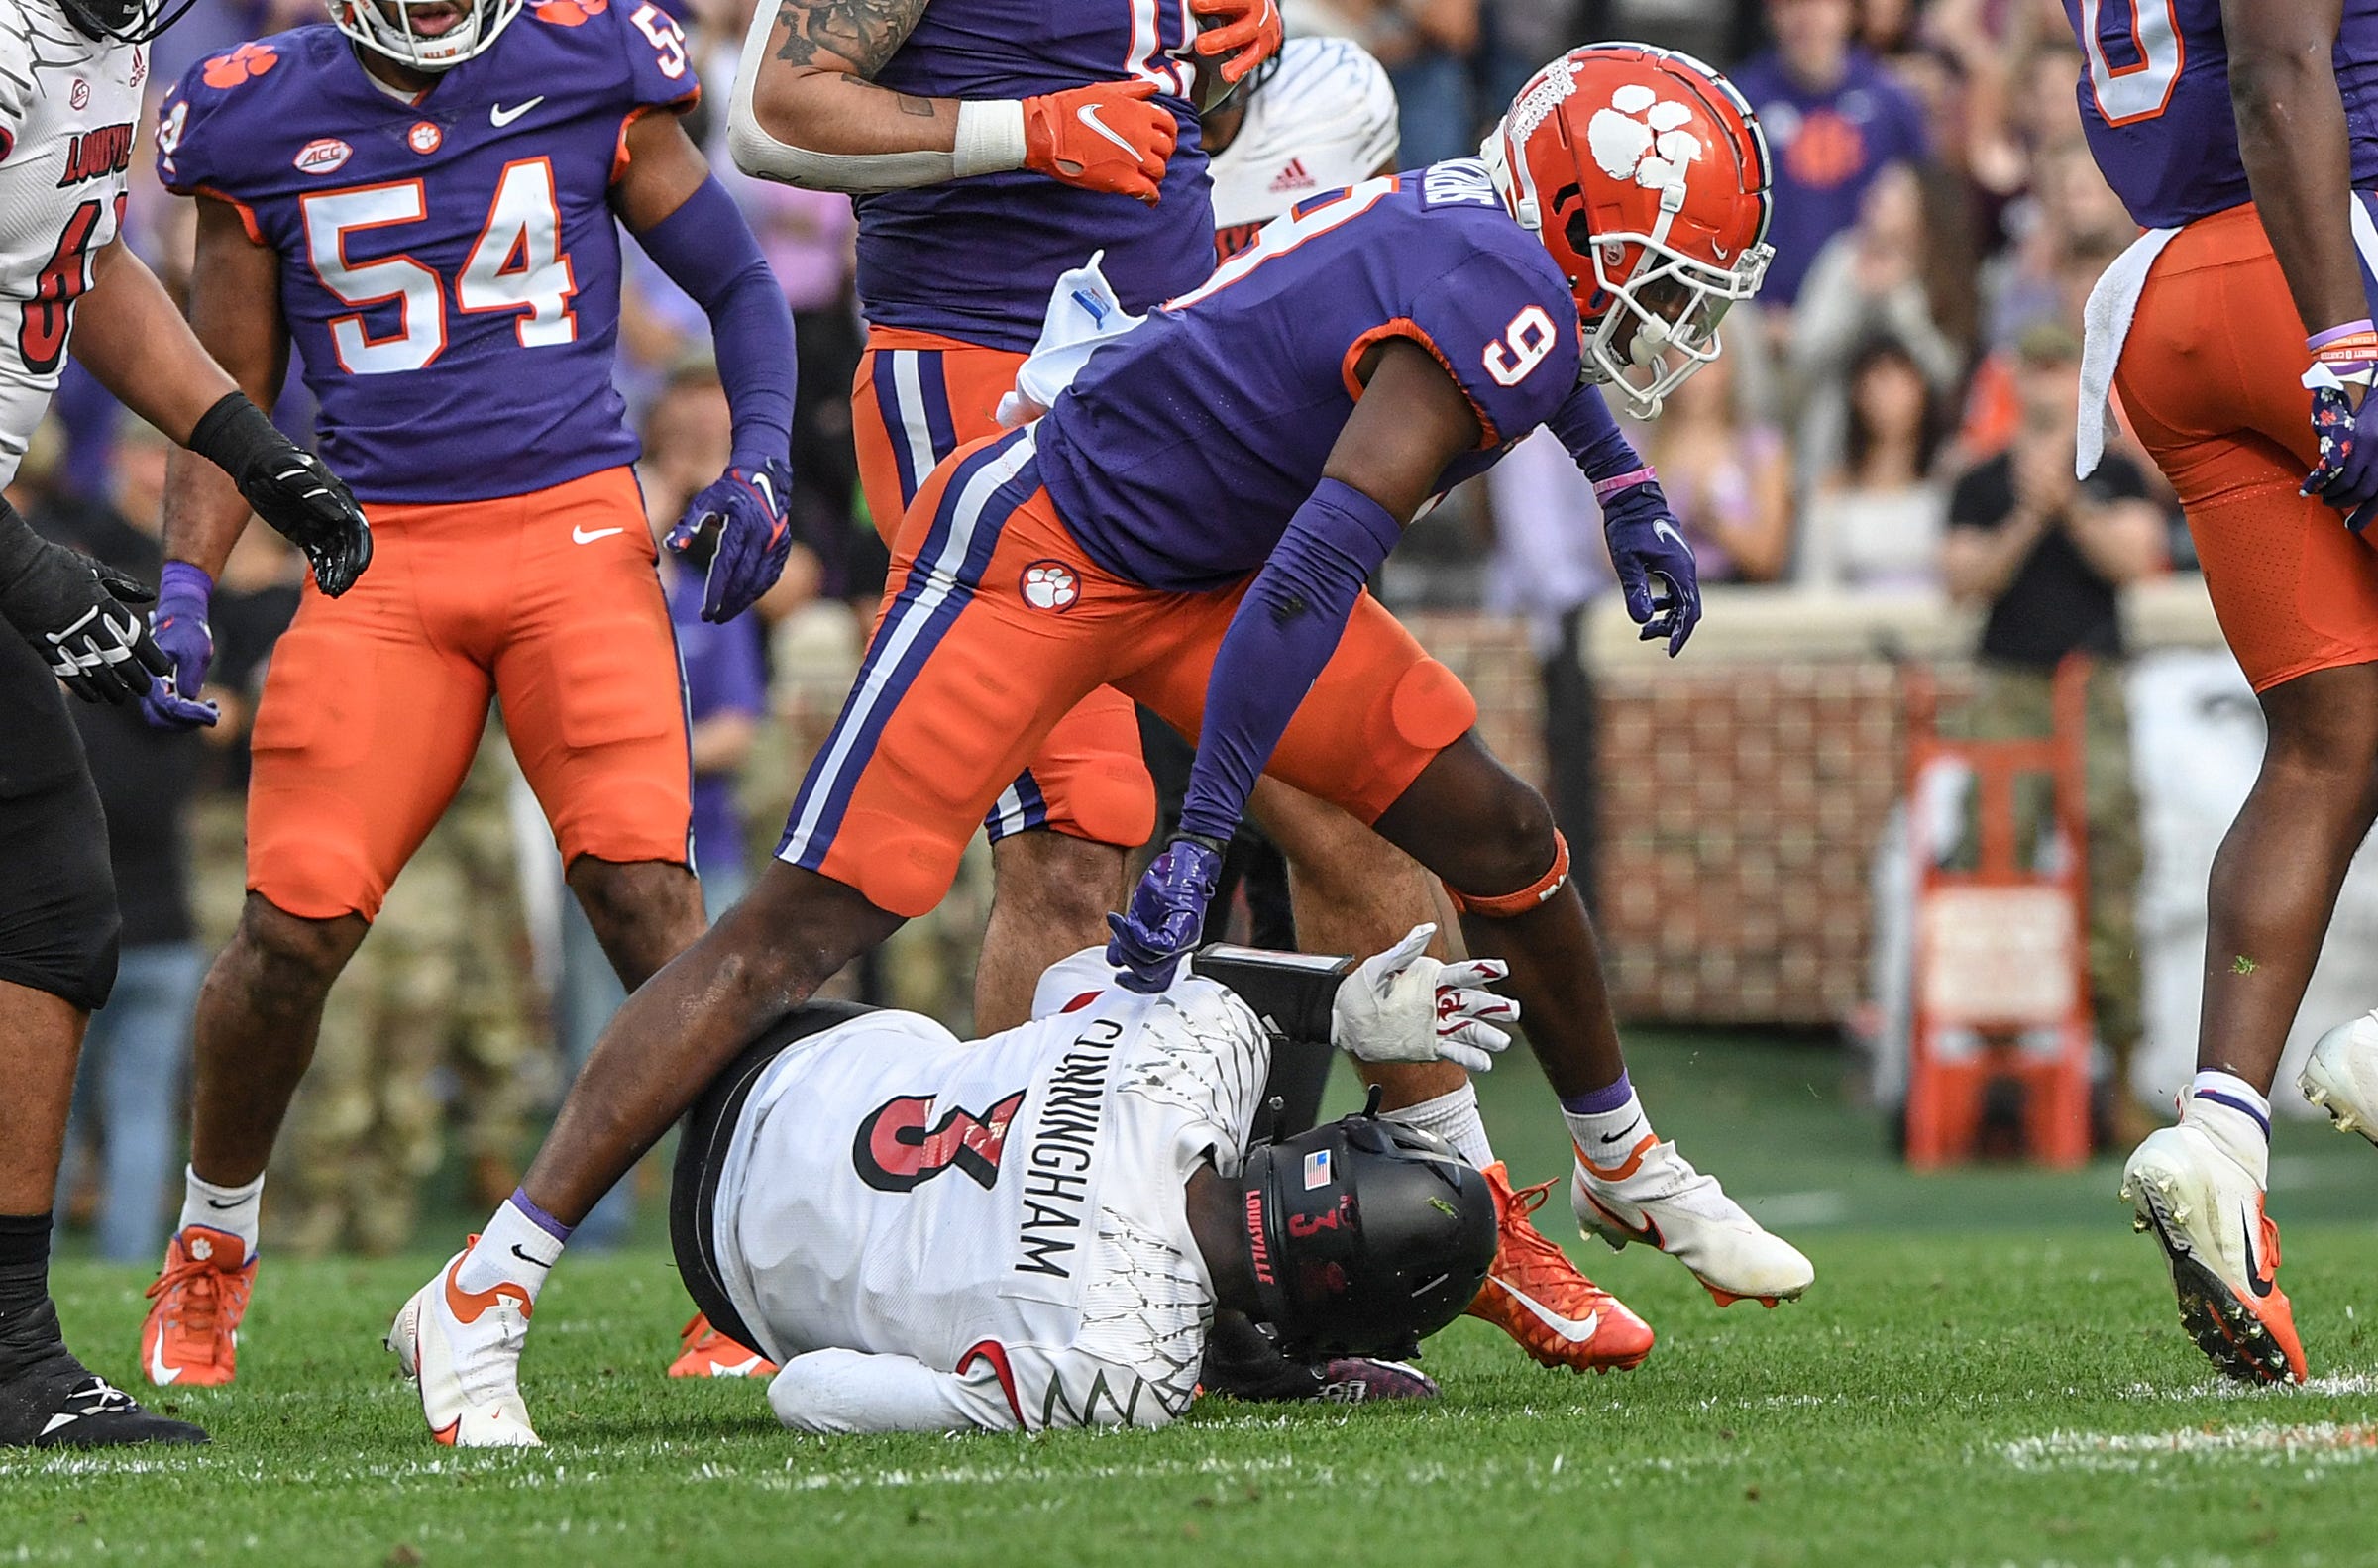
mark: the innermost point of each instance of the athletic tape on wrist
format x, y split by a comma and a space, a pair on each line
1503, 907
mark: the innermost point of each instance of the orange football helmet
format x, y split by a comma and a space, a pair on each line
1647, 176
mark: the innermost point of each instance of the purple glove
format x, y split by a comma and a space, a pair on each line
1168, 913
746, 551
2346, 477
178, 624
1655, 564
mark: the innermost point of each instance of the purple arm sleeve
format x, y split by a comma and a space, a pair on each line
708, 251
1588, 428
1283, 633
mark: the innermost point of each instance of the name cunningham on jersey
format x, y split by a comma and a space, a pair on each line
1059, 1166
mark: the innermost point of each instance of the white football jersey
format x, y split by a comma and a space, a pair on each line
937, 1233
1326, 118
68, 108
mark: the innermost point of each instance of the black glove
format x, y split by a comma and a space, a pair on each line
70, 609
288, 488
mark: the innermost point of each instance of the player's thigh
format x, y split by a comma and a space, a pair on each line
594, 698
962, 682
367, 722
1379, 712
914, 400
1352, 890
1088, 780
2214, 349
57, 894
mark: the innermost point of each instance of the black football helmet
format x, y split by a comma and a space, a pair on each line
1366, 1235
123, 21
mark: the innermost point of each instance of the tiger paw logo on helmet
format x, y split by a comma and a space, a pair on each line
1051, 586
1641, 136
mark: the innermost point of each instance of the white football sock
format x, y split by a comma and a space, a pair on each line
1606, 1138
1454, 1118
233, 1211
514, 1249
2235, 1114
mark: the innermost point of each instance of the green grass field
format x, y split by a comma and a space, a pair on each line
1986, 1372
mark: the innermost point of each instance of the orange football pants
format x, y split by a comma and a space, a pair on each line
916, 398
2210, 378
375, 700
996, 623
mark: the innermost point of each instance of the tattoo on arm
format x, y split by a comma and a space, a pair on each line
859, 34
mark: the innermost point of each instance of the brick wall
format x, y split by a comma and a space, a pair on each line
1740, 807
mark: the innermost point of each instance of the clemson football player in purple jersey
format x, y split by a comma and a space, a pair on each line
2243, 138
423, 199
1194, 522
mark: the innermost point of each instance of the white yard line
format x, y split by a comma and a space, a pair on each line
2312, 1444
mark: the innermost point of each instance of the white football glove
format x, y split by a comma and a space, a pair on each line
1403, 1006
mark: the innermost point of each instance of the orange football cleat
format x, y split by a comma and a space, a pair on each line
705, 1352
1535, 1295
191, 1338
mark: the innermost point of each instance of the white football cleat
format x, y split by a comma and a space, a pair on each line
2342, 1076
2205, 1206
463, 1348
1655, 1195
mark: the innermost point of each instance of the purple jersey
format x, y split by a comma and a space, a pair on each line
1183, 448
449, 266
975, 259
2155, 103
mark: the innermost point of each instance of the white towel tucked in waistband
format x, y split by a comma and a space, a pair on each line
2104, 323
1083, 312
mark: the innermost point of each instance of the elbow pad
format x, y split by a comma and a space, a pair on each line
1292, 992
990, 138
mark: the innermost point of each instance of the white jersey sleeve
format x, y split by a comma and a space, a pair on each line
1326, 119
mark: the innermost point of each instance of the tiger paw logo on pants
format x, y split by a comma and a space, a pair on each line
1051, 586
1639, 136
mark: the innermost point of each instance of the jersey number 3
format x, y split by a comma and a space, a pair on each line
2141, 88
516, 264
64, 279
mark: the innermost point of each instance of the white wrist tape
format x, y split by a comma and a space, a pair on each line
990, 137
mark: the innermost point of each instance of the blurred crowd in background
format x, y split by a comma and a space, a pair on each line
1895, 414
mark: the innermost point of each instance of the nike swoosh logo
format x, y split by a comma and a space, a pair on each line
1568, 1328
158, 1373
1622, 1134
2258, 1280
1661, 527
759, 483
586, 536
502, 116
525, 1258
1088, 115
218, 1204
468, 1307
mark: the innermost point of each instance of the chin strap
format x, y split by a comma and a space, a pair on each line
1503, 907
